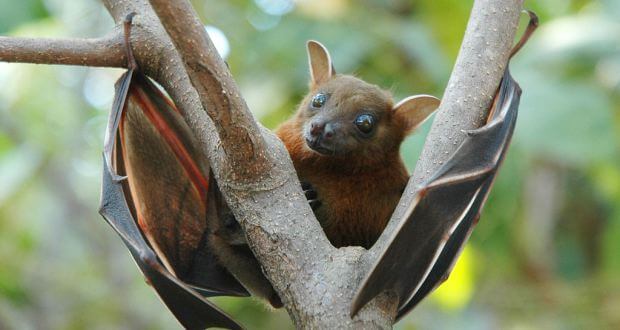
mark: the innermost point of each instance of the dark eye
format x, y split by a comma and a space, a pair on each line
319, 100
365, 123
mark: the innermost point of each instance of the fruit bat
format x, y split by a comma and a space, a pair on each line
420, 253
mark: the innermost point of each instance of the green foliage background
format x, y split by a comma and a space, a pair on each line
544, 255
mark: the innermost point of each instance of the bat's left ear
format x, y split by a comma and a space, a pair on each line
321, 67
412, 111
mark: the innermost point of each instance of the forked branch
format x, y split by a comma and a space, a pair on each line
315, 281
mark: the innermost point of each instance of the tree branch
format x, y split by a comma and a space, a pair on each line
102, 52
220, 97
474, 81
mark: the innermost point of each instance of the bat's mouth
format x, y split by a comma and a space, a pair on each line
317, 145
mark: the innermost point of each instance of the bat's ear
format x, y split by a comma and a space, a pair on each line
321, 68
412, 111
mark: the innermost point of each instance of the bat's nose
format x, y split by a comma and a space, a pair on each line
321, 130
316, 128
328, 131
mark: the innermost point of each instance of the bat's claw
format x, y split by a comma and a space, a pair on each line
311, 195
314, 204
118, 178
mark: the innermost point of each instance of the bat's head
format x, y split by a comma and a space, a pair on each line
346, 116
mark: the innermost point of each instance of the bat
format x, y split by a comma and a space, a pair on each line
441, 215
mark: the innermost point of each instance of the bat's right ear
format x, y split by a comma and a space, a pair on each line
414, 110
321, 68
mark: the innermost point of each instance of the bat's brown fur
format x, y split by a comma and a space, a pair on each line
358, 191
361, 180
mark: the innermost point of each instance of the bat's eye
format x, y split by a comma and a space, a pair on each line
319, 100
365, 123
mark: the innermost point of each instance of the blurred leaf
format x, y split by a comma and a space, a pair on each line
14, 13
570, 121
584, 34
456, 292
11, 287
16, 167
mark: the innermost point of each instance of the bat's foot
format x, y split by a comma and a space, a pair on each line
275, 301
311, 195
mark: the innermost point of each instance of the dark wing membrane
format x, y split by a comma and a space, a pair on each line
191, 309
421, 252
207, 275
169, 185
149, 145
508, 99
504, 111
109, 140
164, 177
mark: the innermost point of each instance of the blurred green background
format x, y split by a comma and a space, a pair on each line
544, 255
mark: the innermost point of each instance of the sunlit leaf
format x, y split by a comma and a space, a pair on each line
456, 292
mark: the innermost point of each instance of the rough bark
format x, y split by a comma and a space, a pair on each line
315, 280
220, 97
475, 78
107, 51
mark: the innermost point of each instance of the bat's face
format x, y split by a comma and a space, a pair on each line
346, 116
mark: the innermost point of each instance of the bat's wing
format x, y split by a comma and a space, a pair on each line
168, 182
421, 253
190, 308
501, 128
156, 196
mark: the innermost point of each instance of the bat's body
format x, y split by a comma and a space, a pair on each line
344, 141
356, 201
